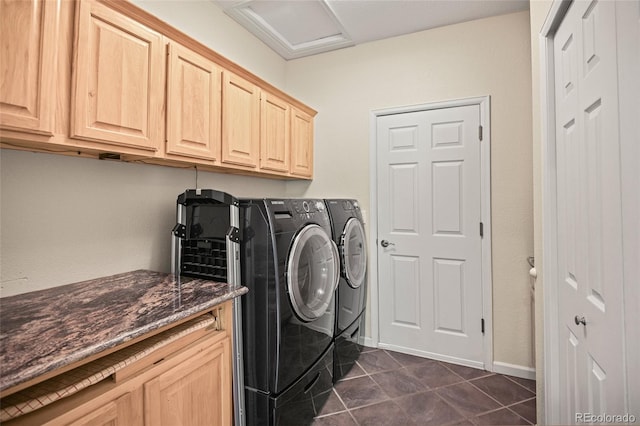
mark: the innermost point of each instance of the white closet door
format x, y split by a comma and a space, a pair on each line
590, 278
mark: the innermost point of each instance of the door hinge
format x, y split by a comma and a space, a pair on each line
481, 229
482, 325
480, 132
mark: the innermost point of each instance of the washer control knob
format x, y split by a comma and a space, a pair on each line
305, 206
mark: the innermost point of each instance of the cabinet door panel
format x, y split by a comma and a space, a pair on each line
28, 47
123, 411
274, 133
240, 121
193, 105
301, 144
196, 392
118, 80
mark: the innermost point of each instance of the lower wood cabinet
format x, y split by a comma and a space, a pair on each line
187, 382
194, 392
124, 410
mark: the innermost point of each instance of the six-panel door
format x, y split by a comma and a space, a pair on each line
590, 251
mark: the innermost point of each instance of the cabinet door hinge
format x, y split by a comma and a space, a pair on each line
480, 132
481, 229
482, 325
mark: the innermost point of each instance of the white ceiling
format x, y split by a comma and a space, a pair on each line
297, 28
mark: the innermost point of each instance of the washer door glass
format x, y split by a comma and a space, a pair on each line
313, 272
354, 253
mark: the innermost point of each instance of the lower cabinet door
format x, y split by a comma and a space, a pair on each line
123, 411
195, 392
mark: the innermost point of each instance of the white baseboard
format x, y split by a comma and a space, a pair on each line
431, 355
370, 343
514, 370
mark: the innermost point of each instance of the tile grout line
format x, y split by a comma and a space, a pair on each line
520, 384
502, 406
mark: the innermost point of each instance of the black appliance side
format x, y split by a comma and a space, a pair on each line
260, 322
299, 403
350, 302
348, 347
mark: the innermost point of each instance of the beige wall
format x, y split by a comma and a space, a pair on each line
207, 23
538, 11
485, 57
66, 219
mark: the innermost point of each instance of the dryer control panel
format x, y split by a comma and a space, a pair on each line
293, 213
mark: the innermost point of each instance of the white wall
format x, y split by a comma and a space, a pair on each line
484, 57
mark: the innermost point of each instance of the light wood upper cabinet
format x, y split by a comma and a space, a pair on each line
275, 119
240, 121
95, 77
301, 144
118, 79
194, 98
28, 53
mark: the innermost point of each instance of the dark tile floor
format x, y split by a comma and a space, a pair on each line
390, 388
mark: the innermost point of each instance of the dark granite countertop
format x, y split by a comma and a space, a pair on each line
45, 330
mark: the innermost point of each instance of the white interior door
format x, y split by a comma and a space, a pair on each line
589, 240
429, 243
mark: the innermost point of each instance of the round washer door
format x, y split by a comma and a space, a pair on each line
353, 248
313, 272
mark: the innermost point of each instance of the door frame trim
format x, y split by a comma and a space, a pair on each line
484, 103
551, 363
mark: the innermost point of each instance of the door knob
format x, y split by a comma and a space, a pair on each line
385, 243
580, 320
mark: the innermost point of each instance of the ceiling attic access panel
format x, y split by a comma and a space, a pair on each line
293, 29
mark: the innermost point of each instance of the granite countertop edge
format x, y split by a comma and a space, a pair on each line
33, 372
